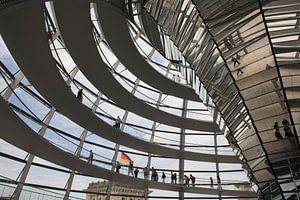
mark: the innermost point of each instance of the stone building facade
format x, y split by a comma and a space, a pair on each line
97, 191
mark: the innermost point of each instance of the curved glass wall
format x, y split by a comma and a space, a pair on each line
256, 42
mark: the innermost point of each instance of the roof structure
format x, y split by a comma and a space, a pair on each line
202, 87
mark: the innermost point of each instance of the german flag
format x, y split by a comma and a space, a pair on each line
125, 159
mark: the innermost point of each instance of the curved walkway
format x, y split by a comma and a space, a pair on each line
28, 44
151, 30
82, 47
117, 34
16, 132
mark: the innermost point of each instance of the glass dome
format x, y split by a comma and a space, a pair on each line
111, 99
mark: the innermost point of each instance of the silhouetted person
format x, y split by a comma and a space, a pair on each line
118, 167
235, 61
172, 178
49, 35
146, 173
80, 95
219, 183
239, 71
227, 44
277, 132
193, 180
136, 172
177, 78
287, 131
175, 178
91, 156
163, 176
211, 182
117, 123
154, 175
186, 180
286, 128
130, 168
285, 122
174, 77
